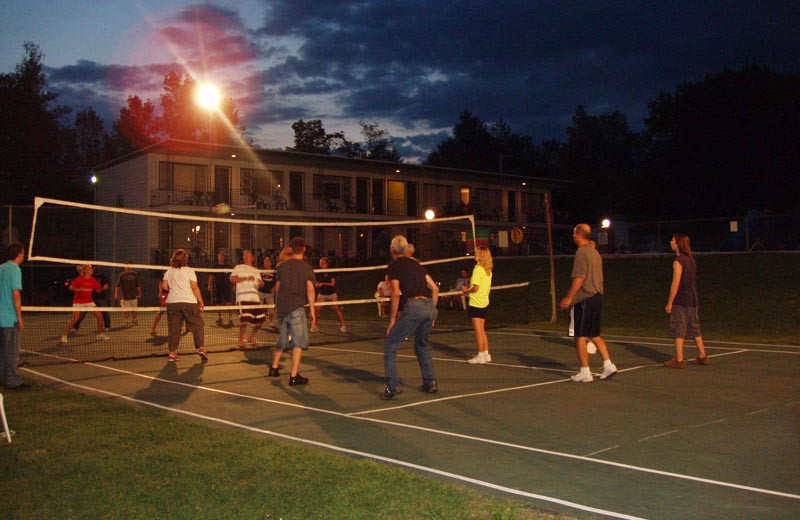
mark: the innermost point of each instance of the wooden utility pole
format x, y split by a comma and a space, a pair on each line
549, 217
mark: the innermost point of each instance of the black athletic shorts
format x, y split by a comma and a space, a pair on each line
587, 316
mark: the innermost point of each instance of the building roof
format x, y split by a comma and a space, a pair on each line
226, 151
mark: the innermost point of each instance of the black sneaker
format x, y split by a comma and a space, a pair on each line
429, 389
21, 387
297, 380
274, 372
390, 393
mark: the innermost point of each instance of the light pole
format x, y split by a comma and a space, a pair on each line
93, 181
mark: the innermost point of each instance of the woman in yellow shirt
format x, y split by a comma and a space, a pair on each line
479, 286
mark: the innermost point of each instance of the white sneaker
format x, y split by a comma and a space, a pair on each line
591, 348
608, 371
314, 329
63, 340
479, 359
487, 356
582, 377
343, 329
103, 337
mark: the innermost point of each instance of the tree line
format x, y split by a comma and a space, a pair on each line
716, 147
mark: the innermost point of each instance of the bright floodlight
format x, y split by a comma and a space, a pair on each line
93, 179
605, 224
207, 96
429, 214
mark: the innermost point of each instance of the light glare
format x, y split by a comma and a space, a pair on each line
208, 96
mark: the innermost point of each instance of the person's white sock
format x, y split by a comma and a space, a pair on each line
607, 363
585, 370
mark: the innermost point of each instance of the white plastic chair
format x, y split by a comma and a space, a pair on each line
6, 431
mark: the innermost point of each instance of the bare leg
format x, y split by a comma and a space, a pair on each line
583, 354
297, 354
679, 348
701, 348
601, 347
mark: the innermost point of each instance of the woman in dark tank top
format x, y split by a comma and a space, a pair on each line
682, 304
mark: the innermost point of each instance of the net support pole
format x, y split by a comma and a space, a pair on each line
549, 217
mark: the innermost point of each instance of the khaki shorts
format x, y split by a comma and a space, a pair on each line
129, 304
684, 322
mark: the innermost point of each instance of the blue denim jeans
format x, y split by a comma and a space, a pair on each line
9, 356
294, 325
417, 319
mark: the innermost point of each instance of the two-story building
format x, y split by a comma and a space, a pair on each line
189, 178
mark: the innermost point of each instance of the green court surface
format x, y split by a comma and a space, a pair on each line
717, 441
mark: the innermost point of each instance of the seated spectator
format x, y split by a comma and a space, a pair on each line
462, 281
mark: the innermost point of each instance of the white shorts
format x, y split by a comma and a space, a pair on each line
128, 304
83, 305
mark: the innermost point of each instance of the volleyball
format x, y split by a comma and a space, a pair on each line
591, 348
221, 209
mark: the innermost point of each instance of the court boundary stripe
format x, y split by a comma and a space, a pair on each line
451, 434
363, 454
550, 334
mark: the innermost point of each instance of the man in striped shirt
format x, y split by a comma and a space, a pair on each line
248, 280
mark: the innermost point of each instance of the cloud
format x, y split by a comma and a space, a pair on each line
415, 66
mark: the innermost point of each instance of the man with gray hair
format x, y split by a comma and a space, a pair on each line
585, 296
420, 295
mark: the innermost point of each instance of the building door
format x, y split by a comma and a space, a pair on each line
222, 184
411, 199
362, 195
377, 197
296, 190
512, 206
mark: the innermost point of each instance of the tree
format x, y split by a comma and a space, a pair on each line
87, 143
30, 134
601, 157
136, 126
182, 118
726, 144
310, 137
378, 144
472, 146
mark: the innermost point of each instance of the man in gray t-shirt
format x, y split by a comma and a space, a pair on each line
585, 297
294, 289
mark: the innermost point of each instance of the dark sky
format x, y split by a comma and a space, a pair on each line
411, 66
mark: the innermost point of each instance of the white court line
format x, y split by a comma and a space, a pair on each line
442, 432
758, 411
556, 334
708, 423
660, 343
601, 451
446, 360
434, 471
658, 435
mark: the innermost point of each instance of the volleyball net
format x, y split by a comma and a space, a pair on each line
124, 333
68, 234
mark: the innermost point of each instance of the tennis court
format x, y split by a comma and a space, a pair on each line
719, 441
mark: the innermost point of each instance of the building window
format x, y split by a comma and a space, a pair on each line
396, 197
187, 182
488, 204
532, 206
437, 197
465, 195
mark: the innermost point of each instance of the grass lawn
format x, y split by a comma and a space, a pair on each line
87, 457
